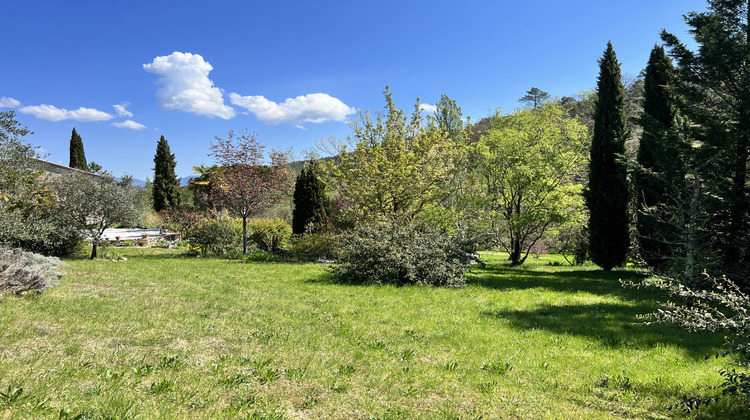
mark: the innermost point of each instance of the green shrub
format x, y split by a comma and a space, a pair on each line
217, 237
398, 254
269, 234
314, 246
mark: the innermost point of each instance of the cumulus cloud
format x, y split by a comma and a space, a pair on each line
52, 113
314, 108
9, 102
428, 107
185, 85
122, 110
129, 124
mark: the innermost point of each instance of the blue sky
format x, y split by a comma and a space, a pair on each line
124, 73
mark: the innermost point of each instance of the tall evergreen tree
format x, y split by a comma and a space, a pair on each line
77, 155
166, 184
607, 193
715, 84
656, 163
311, 205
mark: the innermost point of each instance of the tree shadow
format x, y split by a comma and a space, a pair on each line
578, 280
612, 325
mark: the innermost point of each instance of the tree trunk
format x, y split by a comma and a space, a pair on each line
94, 245
244, 236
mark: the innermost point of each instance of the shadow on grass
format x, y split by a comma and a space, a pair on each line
612, 325
592, 281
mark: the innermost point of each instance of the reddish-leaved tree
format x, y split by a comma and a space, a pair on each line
248, 183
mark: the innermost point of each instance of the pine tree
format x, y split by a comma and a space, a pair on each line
77, 155
311, 205
607, 193
656, 163
166, 184
715, 84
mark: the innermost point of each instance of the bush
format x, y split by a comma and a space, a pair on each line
401, 255
219, 236
718, 305
22, 271
314, 246
269, 234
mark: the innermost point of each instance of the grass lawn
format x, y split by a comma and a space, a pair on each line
166, 336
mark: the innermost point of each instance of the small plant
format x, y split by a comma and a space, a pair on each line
236, 379
12, 396
450, 366
295, 374
407, 354
162, 386
171, 362
497, 367
346, 370
269, 375
269, 234
487, 386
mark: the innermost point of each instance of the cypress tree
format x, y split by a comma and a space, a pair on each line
165, 188
656, 162
607, 193
77, 155
311, 206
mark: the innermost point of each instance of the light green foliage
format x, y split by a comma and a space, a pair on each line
395, 168
269, 234
526, 166
220, 236
314, 246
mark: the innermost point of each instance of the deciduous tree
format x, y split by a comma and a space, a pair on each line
247, 184
527, 164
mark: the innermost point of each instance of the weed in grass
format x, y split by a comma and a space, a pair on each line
244, 402
172, 362
260, 364
497, 367
310, 400
110, 375
408, 354
450, 366
84, 364
267, 415
376, 345
269, 375
198, 404
261, 336
66, 414
295, 374
143, 370
238, 378
162, 386
339, 388
346, 370
487, 386
615, 382
115, 408
13, 395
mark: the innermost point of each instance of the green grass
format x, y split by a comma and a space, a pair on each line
166, 336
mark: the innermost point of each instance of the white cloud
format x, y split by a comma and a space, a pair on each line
52, 113
129, 124
122, 110
428, 107
185, 85
9, 102
314, 108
